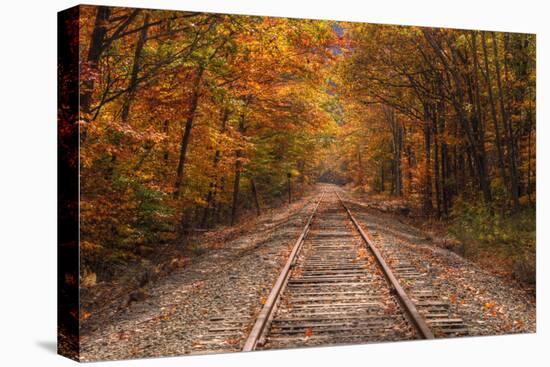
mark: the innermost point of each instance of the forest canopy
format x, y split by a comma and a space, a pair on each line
193, 120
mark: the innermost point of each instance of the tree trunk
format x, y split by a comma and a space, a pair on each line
237, 181
216, 203
440, 123
471, 168
187, 132
529, 143
399, 178
409, 169
255, 196
460, 173
213, 183
166, 154
444, 175
475, 141
397, 146
236, 187
436, 164
132, 86
494, 113
513, 143
428, 206
511, 151
455, 160
94, 53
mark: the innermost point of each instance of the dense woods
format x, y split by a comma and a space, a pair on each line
192, 120
455, 109
445, 119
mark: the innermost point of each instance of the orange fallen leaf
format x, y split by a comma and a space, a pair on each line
84, 314
519, 323
263, 300
361, 253
308, 332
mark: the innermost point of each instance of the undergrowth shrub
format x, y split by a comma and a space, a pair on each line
507, 236
121, 225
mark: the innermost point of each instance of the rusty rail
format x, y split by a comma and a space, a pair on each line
262, 321
417, 320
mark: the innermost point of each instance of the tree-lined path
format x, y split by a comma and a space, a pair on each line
200, 133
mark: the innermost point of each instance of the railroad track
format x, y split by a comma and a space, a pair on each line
337, 288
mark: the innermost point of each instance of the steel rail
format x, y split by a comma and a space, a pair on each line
268, 309
417, 320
